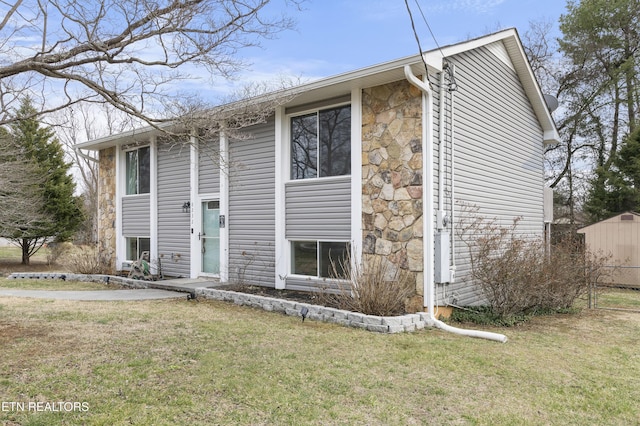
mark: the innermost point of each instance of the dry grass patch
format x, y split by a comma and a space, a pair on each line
55, 285
198, 363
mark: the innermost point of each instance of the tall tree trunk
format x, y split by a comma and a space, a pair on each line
26, 257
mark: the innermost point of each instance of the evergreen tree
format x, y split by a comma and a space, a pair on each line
617, 190
61, 208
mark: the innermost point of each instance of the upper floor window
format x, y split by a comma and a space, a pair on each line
138, 171
321, 143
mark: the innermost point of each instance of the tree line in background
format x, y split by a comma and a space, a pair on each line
99, 56
66, 63
592, 68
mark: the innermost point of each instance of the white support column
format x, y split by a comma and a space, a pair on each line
153, 199
194, 252
282, 173
121, 254
224, 206
356, 176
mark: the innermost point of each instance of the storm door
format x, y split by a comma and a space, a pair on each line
210, 237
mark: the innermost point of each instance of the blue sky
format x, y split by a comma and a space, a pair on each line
335, 36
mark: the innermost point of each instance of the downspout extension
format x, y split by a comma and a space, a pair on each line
428, 212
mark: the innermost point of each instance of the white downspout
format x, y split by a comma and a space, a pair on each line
441, 154
428, 211
453, 182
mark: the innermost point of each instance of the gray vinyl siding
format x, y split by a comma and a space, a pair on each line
208, 168
136, 216
251, 220
319, 209
498, 155
173, 224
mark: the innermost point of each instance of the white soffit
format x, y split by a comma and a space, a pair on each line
500, 52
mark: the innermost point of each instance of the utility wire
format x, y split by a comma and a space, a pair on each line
453, 86
429, 27
415, 33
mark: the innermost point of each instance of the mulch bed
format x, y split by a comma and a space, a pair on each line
294, 295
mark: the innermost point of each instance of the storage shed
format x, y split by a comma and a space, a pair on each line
618, 236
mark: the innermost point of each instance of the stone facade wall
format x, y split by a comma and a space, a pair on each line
107, 206
392, 178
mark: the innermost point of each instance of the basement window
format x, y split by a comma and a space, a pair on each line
137, 245
322, 259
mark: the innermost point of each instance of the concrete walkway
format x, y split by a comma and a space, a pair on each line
100, 295
180, 288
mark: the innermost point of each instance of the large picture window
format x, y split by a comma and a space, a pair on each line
321, 143
324, 259
138, 165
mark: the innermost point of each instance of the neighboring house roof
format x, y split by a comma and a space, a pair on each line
388, 72
616, 218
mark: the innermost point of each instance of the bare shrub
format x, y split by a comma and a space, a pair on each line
376, 288
518, 273
56, 251
86, 260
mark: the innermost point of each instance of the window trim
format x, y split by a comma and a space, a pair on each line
138, 238
126, 171
316, 110
290, 242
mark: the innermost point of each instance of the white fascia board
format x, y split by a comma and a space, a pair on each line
138, 134
380, 74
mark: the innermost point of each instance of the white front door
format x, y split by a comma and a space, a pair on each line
210, 237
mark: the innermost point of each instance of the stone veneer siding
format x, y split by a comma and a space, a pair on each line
392, 178
107, 206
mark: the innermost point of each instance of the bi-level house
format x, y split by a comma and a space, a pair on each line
376, 162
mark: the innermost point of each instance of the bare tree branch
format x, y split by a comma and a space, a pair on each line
126, 53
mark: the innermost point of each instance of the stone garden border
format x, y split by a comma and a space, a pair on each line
379, 324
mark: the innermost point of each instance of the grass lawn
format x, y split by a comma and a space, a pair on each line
11, 258
200, 363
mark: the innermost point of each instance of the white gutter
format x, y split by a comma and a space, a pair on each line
428, 211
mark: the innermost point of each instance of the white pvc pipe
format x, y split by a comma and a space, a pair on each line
428, 211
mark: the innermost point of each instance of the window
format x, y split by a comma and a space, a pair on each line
135, 247
320, 258
321, 143
138, 171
